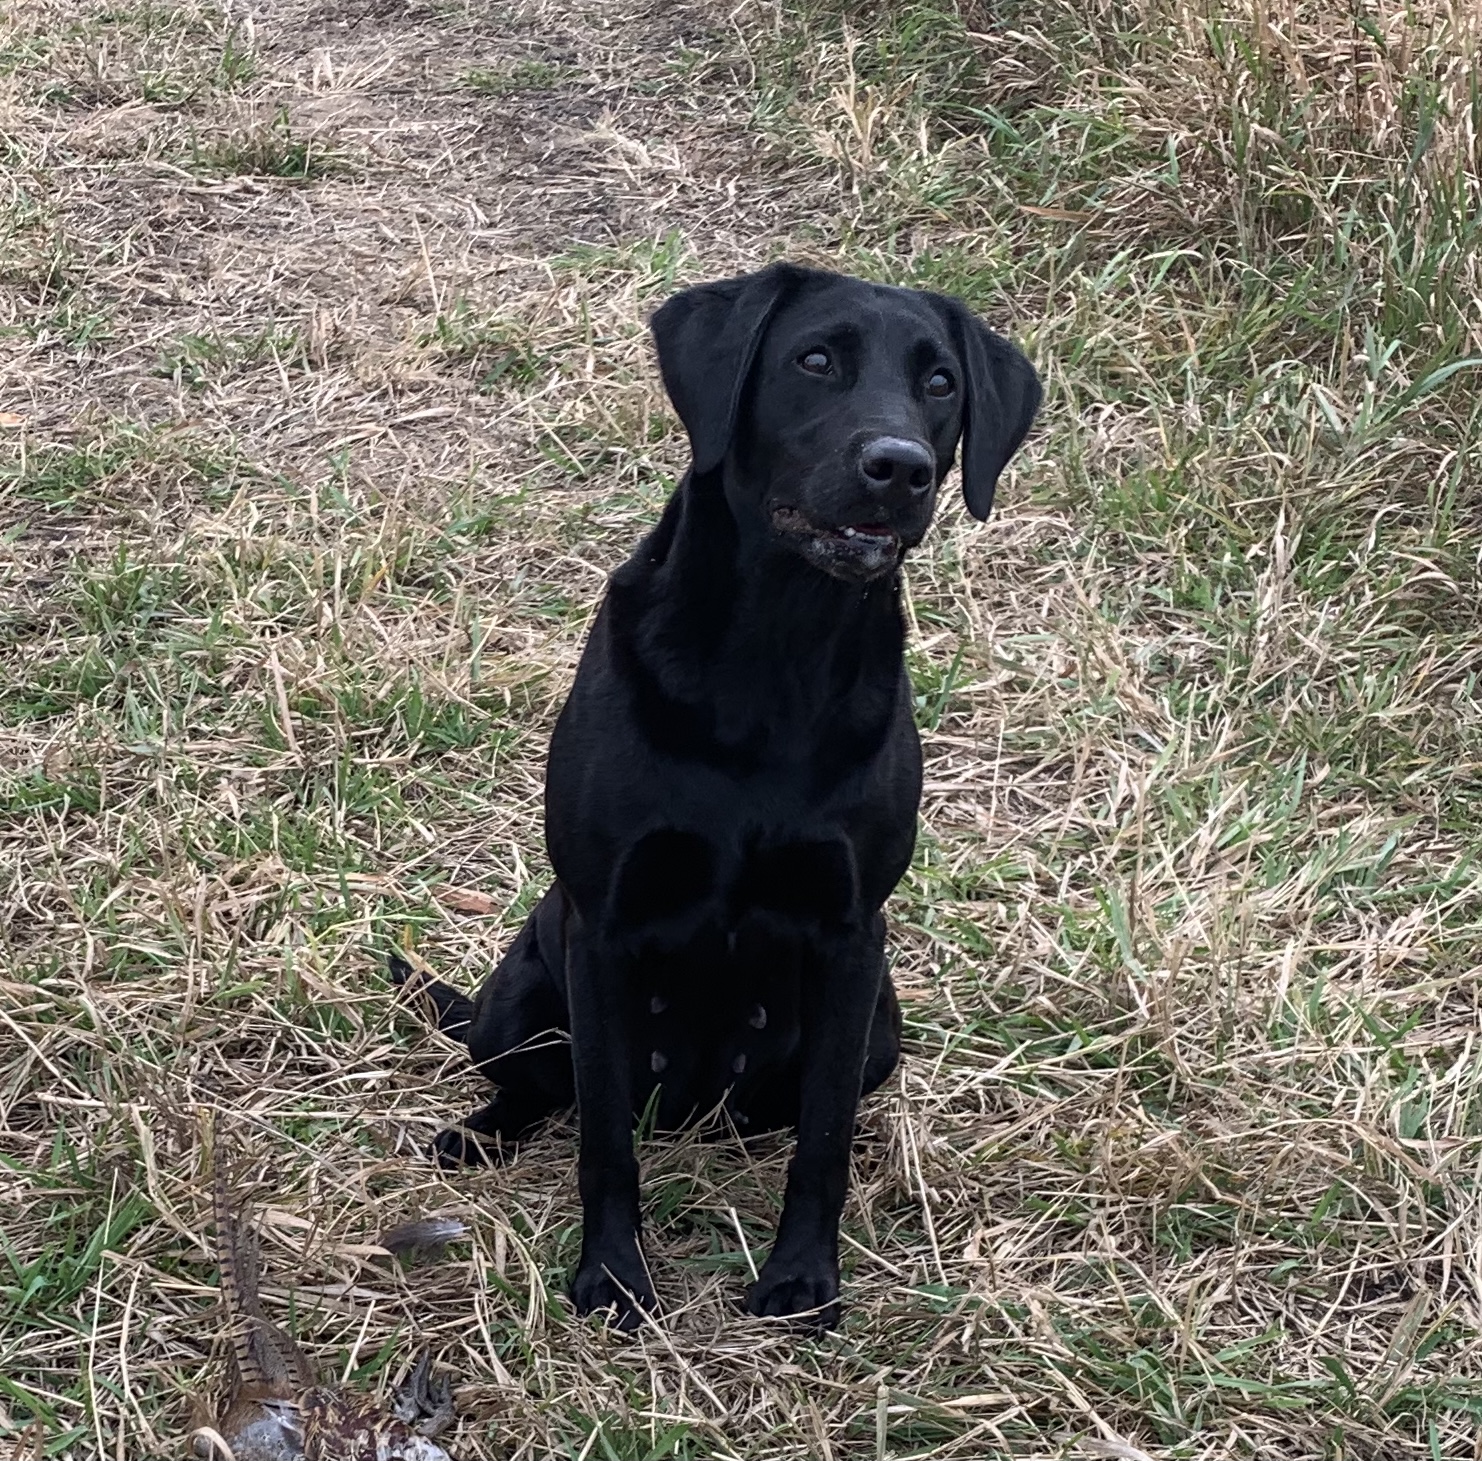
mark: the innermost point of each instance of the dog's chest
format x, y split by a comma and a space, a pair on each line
681, 886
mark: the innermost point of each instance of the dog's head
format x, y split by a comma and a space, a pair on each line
833, 408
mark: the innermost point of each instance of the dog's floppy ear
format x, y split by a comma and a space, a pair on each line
1000, 396
707, 338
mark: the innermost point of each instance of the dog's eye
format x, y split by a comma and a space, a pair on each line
939, 383
815, 362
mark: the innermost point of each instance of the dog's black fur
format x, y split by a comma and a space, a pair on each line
733, 783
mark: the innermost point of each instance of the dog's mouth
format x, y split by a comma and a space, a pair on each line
855, 550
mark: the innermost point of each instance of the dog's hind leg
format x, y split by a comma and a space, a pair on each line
516, 1033
884, 1051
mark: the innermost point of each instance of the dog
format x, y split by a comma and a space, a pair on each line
733, 783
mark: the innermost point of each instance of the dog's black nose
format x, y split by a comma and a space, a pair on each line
892, 467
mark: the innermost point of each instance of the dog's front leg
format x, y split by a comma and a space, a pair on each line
802, 1274
612, 1272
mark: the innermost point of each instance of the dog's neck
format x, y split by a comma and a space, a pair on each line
754, 640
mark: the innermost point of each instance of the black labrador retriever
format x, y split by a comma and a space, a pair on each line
733, 783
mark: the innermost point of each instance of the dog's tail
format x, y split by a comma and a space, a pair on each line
452, 1012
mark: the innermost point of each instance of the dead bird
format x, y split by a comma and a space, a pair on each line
276, 1409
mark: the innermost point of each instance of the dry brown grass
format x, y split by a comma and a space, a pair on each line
327, 407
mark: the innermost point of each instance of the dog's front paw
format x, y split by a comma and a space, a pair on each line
621, 1286
803, 1286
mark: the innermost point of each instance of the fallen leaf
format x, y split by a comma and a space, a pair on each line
465, 900
12, 418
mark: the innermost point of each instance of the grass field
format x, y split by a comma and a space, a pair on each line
326, 407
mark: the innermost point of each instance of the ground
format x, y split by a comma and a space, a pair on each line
326, 407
